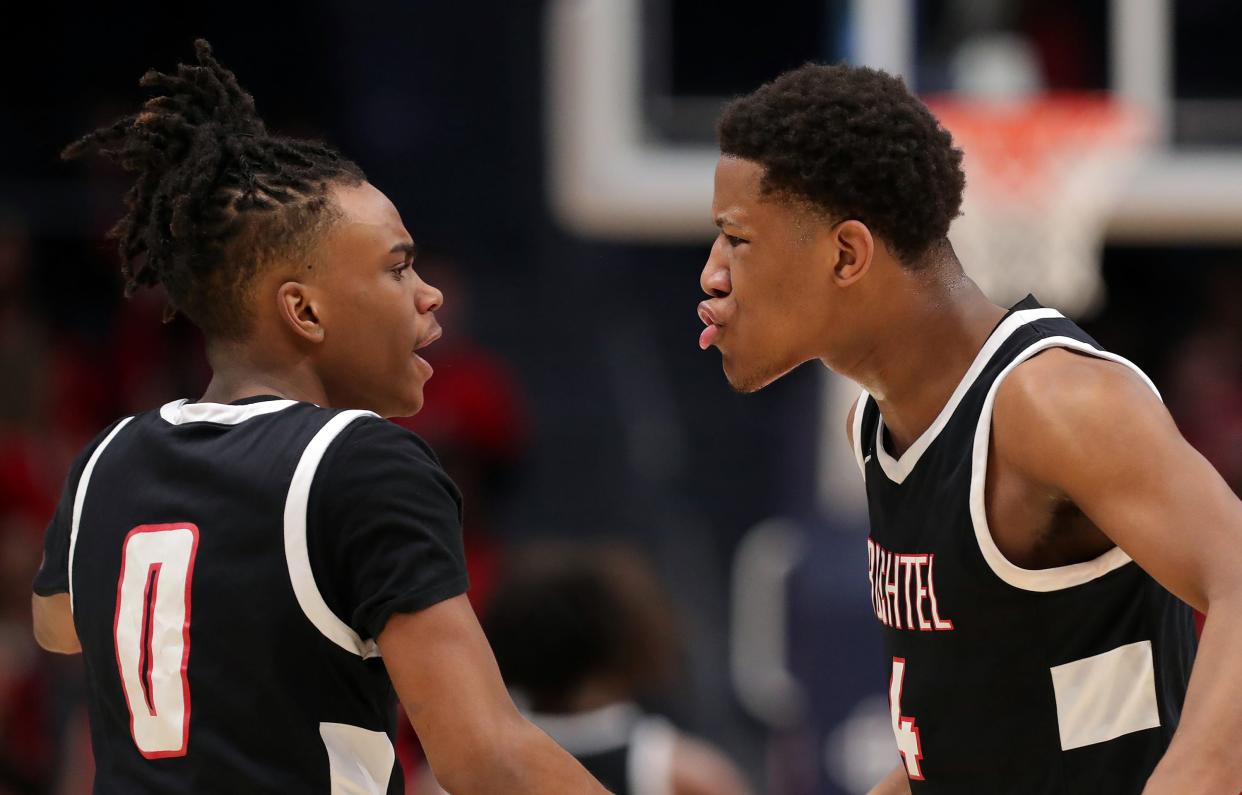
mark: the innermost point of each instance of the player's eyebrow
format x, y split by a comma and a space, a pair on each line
725, 218
407, 247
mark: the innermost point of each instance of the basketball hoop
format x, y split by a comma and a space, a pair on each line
1042, 175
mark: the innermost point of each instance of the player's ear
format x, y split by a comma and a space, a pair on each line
855, 247
296, 307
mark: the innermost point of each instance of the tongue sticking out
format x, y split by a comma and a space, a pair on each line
708, 335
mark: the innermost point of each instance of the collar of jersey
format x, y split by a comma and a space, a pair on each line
897, 469
182, 411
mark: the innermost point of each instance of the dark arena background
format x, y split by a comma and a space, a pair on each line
553, 162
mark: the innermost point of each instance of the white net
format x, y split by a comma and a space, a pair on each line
1042, 176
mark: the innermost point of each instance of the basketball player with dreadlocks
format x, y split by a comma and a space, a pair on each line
249, 575
1038, 524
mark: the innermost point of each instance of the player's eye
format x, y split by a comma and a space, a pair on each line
734, 241
398, 272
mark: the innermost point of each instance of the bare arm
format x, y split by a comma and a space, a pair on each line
1093, 432
53, 623
895, 783
475, 739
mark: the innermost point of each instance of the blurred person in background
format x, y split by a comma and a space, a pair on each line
308, 537
581, 634
1038, 526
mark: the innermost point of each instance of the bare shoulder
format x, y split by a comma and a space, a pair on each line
1060, 405
1064, 377
700, 769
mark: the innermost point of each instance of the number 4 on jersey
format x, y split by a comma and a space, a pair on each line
904, 729
152, 634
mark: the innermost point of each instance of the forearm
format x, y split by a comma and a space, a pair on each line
1203, 757
895, 783
530, 764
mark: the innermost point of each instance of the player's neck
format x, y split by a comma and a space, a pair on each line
239, 373
914, 369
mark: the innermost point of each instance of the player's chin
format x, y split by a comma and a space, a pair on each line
406, 404
413, 405
742, 376
412, 397
406, 399
750, 374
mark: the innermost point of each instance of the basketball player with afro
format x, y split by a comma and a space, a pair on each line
249, 575
1038, 525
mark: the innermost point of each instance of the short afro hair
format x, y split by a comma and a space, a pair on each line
854, 143
564, 613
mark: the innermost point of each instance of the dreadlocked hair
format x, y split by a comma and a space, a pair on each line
216, 196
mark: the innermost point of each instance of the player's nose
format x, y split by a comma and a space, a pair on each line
429, 298
715, 279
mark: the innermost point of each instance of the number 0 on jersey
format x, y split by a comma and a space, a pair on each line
152, 633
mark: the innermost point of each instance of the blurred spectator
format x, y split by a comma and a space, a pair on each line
580, 634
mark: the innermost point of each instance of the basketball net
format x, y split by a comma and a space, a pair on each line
1042, 176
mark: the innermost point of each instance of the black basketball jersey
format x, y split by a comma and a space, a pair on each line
1004, 679
229, 567
630, 753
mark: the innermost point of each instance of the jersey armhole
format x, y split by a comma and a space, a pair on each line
1039, 580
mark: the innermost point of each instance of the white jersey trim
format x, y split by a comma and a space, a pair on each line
897, 469
79, 498
297, 556
859, 408
360, 761
182, 411
1058, 577
650, 765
